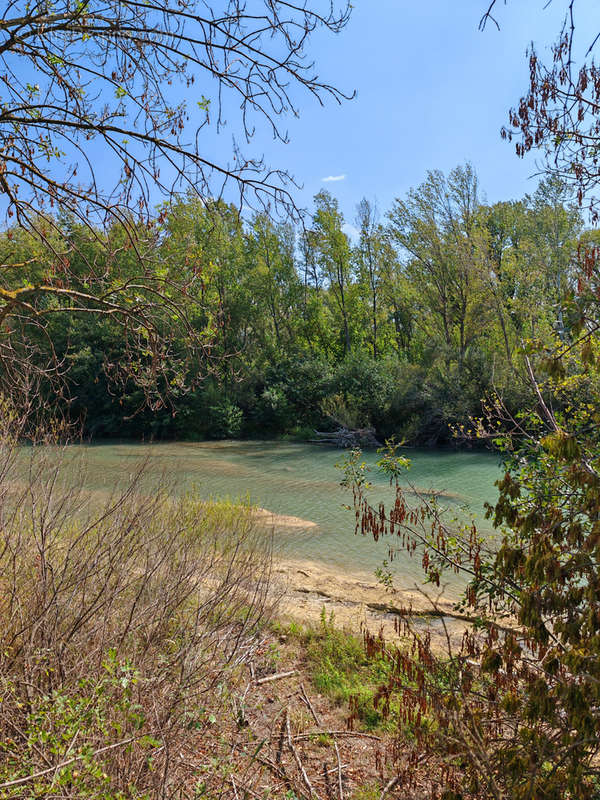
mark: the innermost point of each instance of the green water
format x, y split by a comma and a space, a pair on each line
300, 480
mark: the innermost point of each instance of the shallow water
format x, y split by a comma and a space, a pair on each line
301, 480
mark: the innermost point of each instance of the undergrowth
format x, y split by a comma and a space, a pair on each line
122, 618
365, 675
340, 668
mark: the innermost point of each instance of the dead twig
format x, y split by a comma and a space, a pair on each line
339, 770
388, 787
307, 783
355, 734
309, 705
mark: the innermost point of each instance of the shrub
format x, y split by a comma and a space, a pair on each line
118, 618
226, 420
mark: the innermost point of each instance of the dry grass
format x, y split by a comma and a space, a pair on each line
119, 625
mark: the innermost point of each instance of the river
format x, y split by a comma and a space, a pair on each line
300, 480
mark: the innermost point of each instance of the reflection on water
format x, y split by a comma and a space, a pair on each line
301, 480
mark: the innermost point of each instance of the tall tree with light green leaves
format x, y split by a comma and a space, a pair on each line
335, 262
436, 231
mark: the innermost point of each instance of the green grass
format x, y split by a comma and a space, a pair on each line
371, 791
341, 670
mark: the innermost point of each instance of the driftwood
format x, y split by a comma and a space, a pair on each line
276, 676
347, 437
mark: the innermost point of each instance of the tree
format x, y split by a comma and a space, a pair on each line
369, 257
436, 232
398, 296
333, 257
203, 244
508, 278
556, 224
104, 73
106, 107
275, 282
98, 273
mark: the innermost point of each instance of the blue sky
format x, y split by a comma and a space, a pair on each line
432, 92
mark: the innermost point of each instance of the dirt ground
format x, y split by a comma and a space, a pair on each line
285, 740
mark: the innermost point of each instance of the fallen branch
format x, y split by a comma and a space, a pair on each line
276, 676
339, 770
388, 787
330, 771
276, 769
347, 437
356, 734
307, 783
305, 699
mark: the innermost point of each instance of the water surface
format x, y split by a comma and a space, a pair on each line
301, 480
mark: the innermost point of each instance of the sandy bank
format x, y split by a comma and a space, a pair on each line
358, 601
272, 520
355, 598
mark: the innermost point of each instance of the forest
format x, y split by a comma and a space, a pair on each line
404, 322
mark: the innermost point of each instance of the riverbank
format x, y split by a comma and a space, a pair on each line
358, 602
354, 598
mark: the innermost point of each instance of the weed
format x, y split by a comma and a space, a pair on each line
370, 791
342, 671
294, 630
273, 656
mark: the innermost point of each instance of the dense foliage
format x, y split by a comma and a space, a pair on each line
517, 714
404, 323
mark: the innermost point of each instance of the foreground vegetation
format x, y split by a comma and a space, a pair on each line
120, 618
140, 659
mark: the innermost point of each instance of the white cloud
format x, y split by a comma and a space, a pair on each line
331, 178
